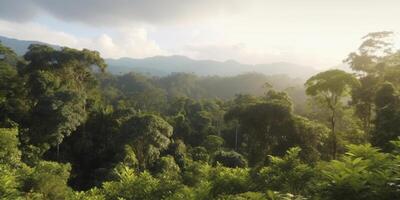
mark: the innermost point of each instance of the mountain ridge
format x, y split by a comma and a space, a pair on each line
164, 65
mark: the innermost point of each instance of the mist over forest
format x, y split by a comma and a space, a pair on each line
125, 101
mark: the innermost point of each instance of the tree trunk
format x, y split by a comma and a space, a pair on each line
236, 137
58, 151
334, 137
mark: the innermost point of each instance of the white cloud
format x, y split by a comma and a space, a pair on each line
127, 42
308, 32
37, 32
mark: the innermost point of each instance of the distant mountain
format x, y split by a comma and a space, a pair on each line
21, 46
164, 65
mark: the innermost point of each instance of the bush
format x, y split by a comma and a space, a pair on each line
49, 179
229, 159
131, 186
244, 196
227, 181
213, 143
363, 173
200, 154
286, 174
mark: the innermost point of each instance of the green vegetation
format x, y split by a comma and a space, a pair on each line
70, 130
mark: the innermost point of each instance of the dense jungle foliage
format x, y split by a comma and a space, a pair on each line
70, 130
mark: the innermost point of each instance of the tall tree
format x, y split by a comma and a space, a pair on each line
374, 48
59, 83
363, 96
148, 135
329, 88
370, 60
13, 107
263, 126
387, 116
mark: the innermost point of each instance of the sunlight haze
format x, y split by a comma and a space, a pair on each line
317, 33
199, 99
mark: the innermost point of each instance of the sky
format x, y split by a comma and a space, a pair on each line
316, 33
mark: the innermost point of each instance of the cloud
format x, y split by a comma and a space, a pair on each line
17, 10
37, 32
309, 32
221, 52
127, 42
245, 53
132, 42
117, 12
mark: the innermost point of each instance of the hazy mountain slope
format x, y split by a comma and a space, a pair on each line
164, 65
20, 46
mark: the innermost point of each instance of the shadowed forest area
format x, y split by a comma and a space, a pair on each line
71, 130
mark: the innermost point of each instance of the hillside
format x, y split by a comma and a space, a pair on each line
163, 65
21, 46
